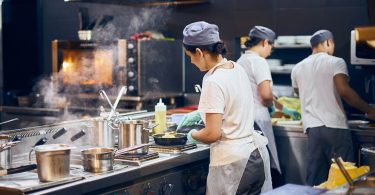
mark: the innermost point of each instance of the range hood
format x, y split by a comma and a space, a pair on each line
144, 2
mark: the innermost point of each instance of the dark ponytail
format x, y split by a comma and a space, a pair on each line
252, 41
218, 48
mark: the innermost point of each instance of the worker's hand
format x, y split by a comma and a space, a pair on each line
189, 119
190, 137
371, 114
271, 109
292, 113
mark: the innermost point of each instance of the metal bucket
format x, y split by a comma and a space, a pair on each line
97, 160
5, 155
133, 133
53, 162
102, 133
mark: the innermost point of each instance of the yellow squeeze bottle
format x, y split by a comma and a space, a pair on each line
160, 117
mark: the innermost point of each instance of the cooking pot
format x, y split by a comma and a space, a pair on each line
133, 133
53, 161
102, 133
5, 154
97, 160
177, 139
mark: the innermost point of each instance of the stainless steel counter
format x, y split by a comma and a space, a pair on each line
121, 175
291, 143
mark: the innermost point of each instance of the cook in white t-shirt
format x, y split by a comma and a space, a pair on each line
321, 80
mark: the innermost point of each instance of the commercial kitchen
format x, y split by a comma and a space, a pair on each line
83, 82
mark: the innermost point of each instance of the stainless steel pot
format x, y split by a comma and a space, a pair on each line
53, 161
102, 133
133, 133
97, 160
5, 154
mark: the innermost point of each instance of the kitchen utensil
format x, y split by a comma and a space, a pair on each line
178, 139
339, 162
369, 153
8, 121
97, 160
59, 133
113, 110
53, 161
6, 153
18, 169
133, 133
102, 133
41, 141
78, 135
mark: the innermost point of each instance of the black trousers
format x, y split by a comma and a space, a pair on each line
253, 177
323, 143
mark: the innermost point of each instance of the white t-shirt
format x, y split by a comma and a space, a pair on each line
228, 92
320, 102
257, 70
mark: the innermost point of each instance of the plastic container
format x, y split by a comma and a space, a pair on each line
160, 117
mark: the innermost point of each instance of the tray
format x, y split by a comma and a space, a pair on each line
29, 181
367, 126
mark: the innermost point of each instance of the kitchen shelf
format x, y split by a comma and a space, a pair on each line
281, 71
287, 46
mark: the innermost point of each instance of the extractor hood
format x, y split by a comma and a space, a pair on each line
144, 2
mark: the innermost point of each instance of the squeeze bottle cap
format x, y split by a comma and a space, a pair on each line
160, 105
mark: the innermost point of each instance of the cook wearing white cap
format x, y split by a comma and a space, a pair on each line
239, 161
321, 80
258, 47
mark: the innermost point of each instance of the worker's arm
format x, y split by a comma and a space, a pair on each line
212, 131
265, 93
350, 96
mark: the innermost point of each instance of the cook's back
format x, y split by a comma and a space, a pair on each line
320, 102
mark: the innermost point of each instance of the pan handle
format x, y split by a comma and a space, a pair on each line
128, 149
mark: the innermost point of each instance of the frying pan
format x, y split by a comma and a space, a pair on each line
178, 139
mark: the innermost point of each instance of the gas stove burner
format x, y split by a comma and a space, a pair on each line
172, 149
136, 159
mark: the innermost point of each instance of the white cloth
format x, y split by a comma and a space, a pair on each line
228, 91
257, 70
320, 102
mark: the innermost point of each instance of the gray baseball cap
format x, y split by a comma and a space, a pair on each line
200, 33
262, 32
320, 36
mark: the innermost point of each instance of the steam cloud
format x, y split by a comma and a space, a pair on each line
126, 22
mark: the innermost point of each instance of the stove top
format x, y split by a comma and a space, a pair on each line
136, 159
172, 149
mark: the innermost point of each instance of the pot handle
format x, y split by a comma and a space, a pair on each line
42, 141
128, 149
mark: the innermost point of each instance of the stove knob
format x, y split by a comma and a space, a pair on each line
131, 88
131, 60
131, 74
130, 46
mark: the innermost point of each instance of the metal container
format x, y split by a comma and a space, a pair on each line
53, 161
102, 133
97, 160
369, 153
133, 133
6, 154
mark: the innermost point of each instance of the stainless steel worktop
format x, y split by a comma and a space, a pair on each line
120, 175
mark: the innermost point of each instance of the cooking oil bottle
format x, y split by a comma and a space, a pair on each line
160, 117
